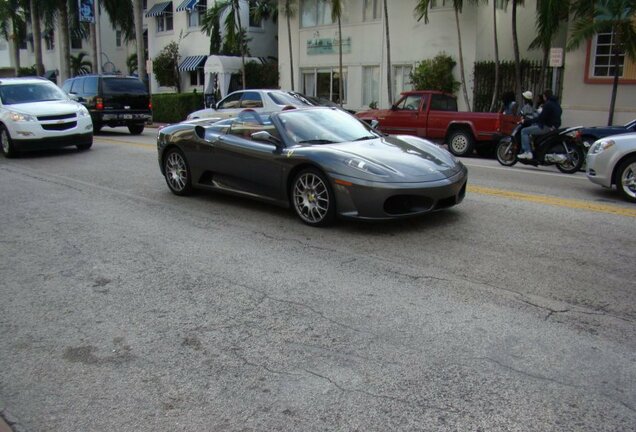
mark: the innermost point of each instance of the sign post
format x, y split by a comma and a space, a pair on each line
556, 61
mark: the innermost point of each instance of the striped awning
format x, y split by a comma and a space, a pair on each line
188, 5
192, 63
159, 9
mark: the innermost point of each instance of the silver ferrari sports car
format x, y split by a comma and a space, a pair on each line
322, 162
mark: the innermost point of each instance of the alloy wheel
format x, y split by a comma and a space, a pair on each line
311, 198
176, 172
628, 180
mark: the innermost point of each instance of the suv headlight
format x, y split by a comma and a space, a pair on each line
600, 146
19, 117
83, 112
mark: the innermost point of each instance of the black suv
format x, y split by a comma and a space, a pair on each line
112, 100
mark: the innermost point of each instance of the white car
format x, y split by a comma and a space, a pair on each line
258, 100
612, 161
36, 114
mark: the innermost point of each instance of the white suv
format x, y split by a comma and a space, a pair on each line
36, 114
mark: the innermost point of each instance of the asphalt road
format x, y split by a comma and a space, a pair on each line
124, 307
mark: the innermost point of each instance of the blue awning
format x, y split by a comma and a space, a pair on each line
192, 63
159, 9
188, 5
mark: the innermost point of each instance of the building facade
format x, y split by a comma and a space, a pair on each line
180, 21
315, 38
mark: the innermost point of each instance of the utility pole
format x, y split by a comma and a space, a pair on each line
98, 37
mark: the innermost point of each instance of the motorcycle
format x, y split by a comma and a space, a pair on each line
560, 147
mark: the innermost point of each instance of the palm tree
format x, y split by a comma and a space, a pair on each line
495, 93
421, 10
139, 38
79, 66
37, 37
12, 27
606, 16
515, 45
233, 29
388, 52
550, 15
336, 15
65, 39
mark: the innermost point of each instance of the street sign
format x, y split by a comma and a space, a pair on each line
556, 57
149, 66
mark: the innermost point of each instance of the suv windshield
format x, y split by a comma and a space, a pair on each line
123, 86
30, 92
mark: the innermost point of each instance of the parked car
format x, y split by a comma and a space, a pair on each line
36, 114
258, 100
591, 134
319, 101
612, 161
433, 115
320, 161
112, 100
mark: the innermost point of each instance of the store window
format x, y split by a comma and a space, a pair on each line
370, 84
401, 79
324, 83
371, 11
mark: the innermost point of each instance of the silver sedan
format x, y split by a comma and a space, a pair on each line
612, 161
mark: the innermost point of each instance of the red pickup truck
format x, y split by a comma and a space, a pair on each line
433, 115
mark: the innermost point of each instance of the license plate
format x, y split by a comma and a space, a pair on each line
127, 116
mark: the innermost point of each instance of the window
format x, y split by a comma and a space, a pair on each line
401, 79
144, 4
76, 41
49, 40
371, 11
251, 99
409, 103
164, 21
118, 38
443, 103
257, 23
370, 84
196, 77
232, 101
441, 4
603, 59
77, 86
90, 86
195, 16
501, 4
315, 13
323, 83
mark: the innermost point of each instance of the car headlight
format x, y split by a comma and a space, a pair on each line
600, 146
19, 117
83, 112
365, 167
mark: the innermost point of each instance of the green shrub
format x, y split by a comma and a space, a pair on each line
174, 107
261, 76
27, 71
435, 74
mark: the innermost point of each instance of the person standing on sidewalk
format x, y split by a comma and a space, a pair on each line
548, 120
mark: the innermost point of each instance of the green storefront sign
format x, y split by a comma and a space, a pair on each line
328, 46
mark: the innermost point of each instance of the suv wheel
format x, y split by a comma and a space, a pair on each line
6, 143
136, 129
96, 128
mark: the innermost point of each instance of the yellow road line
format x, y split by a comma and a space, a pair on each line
131, 143
554, 201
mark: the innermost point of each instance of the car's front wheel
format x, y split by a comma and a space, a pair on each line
85, 146
5, 141
626, 179
312, 198
177, 172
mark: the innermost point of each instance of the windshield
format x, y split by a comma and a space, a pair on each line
323, 126
123, 86
30, 92
282, 99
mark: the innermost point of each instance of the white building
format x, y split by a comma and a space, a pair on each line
179, 21
315, 53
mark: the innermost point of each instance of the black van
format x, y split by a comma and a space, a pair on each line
112, 100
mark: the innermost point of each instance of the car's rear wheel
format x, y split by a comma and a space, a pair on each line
575, 157
177, 172
7, 145
312, 198
136, 129
461, 142
626, 179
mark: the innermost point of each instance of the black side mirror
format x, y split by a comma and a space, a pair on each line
394, 107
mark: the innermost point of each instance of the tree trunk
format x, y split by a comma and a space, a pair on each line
37, 38
289, 39
241, 44
65, 46
139, 39
544, 70
388, 53
515, 42
340, 61
610, 119
495, 93
93, 46
461, 61
15, 47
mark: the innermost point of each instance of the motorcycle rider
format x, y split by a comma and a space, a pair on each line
527, 109
548, 120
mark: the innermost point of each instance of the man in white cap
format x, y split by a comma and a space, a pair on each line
527, 108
